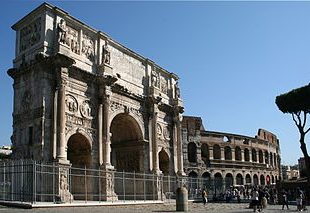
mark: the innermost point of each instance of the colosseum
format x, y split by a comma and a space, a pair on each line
226, 159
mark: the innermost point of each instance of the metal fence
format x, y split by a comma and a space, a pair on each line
31, 181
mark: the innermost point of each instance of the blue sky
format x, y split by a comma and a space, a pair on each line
233, 58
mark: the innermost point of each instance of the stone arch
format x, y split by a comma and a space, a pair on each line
239, 179
255, 179
268, 180
271, 159
260, 156
163, 161
216, 152
79, 155
238, 153
229, 180
81, 131
127, 144
275, 159
192, 152
262, 180
246, 154
266, 157
227, 153
206, 177
205, 153
248, 180
218, 181
79, 150
193, 181
254, 155
137, 119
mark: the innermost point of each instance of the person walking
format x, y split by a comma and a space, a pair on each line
254, 199
204, 195
285, 202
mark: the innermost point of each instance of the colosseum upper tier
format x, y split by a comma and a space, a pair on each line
229, 159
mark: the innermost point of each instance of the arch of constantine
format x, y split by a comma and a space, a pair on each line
93, 111
81, 99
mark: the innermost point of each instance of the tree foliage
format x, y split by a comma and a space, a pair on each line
295, 101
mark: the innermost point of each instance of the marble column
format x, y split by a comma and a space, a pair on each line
211, 153
61, 155
179, 148
106, 129
100, 153
233, 155
175, 147
242, 155
222, 153
154, 141
250, 156
55, 125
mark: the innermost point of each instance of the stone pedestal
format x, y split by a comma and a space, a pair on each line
107, 185
62, 178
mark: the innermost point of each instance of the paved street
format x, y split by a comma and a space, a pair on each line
193, 207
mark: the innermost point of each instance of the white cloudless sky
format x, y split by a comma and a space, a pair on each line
233, 58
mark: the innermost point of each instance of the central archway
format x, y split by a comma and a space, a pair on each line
127, 144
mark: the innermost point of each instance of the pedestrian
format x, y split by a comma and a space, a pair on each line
254, 199
285, 202
204, 195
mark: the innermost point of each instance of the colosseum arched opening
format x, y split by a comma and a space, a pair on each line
229, 180
192, 152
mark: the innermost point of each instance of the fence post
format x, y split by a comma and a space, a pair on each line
134, 186
53, 184
124, 185
153, 191
99, 184
85, 179
144, 196
34, 181
4, 191
12, 181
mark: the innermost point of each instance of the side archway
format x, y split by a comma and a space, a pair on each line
164, 162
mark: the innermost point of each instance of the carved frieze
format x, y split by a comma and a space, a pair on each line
88, 47
30, 35
115, 106
26, 100
73, 120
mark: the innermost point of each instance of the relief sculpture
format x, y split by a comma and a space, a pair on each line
86, 109
68, 36
164, 85
30, 35
71, 104
88, 47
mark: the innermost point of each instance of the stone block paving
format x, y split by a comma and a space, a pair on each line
167, 207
